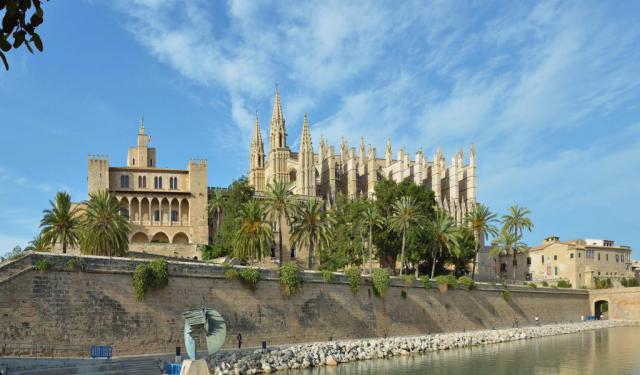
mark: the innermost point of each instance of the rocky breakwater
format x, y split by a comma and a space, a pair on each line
332, 353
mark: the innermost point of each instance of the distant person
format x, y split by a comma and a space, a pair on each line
239, 337
537, 320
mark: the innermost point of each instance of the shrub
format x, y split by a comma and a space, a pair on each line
426, 282
584, 287
217, 250
290, 278
408, 279
154, 274
327, 275
554, 286
76, 264
230, 273
380, 279
467, 282
623, 282
545, 284
532, 285
353, 278
633, 282
250, 276
450, 280
506, 295
603, 283
564, 284
43, 265
403, 294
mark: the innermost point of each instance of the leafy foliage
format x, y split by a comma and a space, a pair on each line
406, 213
16, 252
564, 284
380, 279
250, 276
230, 273
20, 20
254, 234
545, 284
147, 276
105, 231
311, 227
403, 294
506, 295
467, 282
347, 234
449, 280
235, 196
480, 221
290, 278
426, 282
43, 265
353, 278
60, 223
279, 205
602, 283
408, 279
327, 275
38, 244
532, 285
629, 283
76, 264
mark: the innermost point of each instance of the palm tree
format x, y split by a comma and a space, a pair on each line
254, 234
216, 204
38, 244
371, 218
480, 221
405, 213
462, 247
279, 204
443, 229
60, 223
105, 231
311, 226
508, 243
516, 221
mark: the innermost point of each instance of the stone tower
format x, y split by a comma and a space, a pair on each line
256, 163
278, 150
142, 155
307, 177
98, 173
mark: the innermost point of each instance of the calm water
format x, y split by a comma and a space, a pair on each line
614, 351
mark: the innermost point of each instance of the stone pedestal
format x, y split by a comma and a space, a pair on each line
194, 367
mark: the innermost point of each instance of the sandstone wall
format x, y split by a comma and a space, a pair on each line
624, 303
68, 310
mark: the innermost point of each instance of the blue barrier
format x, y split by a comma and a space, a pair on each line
100, 351
173, 368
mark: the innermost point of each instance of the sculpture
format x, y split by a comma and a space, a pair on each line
203, 319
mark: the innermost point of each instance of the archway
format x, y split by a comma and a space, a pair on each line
292, 175
160, 237
601, 308
181, 238
139, 238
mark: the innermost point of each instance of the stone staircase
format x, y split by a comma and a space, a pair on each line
15, 267
114, 366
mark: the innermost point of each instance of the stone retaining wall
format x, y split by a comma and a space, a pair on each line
63, 312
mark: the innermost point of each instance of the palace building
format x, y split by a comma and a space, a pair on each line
167, 207
325, 173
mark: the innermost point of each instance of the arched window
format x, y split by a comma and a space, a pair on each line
156, 215
140, 181
124, 212
124, 181
174, 215
155, 182
150, 163
171, 183
144, 181
133, 161
159, 182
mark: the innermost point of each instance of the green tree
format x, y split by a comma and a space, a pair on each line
516, 221
508, 243
310, 227
60, 223
405, 214
462, 250
21, 18
442, 230
104, 230
254, 233
216, 205
371, 219
38, 244
480, 220
238, 193
279, 205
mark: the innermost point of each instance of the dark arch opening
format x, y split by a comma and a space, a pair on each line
601, 309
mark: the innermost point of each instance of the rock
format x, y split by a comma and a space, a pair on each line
331, 361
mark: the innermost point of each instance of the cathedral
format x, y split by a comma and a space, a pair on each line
326, 173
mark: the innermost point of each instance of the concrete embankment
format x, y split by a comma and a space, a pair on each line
336, 352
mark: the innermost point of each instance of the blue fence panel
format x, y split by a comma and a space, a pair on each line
173, 368
100, 351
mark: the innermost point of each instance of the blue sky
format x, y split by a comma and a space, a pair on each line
548, 91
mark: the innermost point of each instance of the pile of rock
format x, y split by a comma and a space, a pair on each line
331, 353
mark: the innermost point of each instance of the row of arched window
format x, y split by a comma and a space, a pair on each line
173, 183
142, 182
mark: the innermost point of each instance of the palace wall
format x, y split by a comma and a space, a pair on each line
61, 312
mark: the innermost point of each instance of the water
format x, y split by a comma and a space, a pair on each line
613, 351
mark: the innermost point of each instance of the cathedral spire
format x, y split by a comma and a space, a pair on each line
277, 131
306, 182
256, 159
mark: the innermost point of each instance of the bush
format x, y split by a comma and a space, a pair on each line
633, 283
603, 283
43, 265
545, 284
230, 273
554, 286
449, 280
76, 264
506, 295
154, 274
467, 282
408, 279
380, 279
250, 276
327, 275
353, 278
623, 282
403, 294
290, 278
217, 250
584, 287
564, 284
426, 282
532, 285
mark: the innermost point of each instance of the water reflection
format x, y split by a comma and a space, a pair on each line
610, 351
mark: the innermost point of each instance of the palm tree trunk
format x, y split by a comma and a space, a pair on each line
310, 254
475, 259
370, 251
64, 247
417, 273
513, 261
280, 238
402, 252
218, 221
433, 265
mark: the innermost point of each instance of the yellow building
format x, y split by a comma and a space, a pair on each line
167, 208
579, 261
